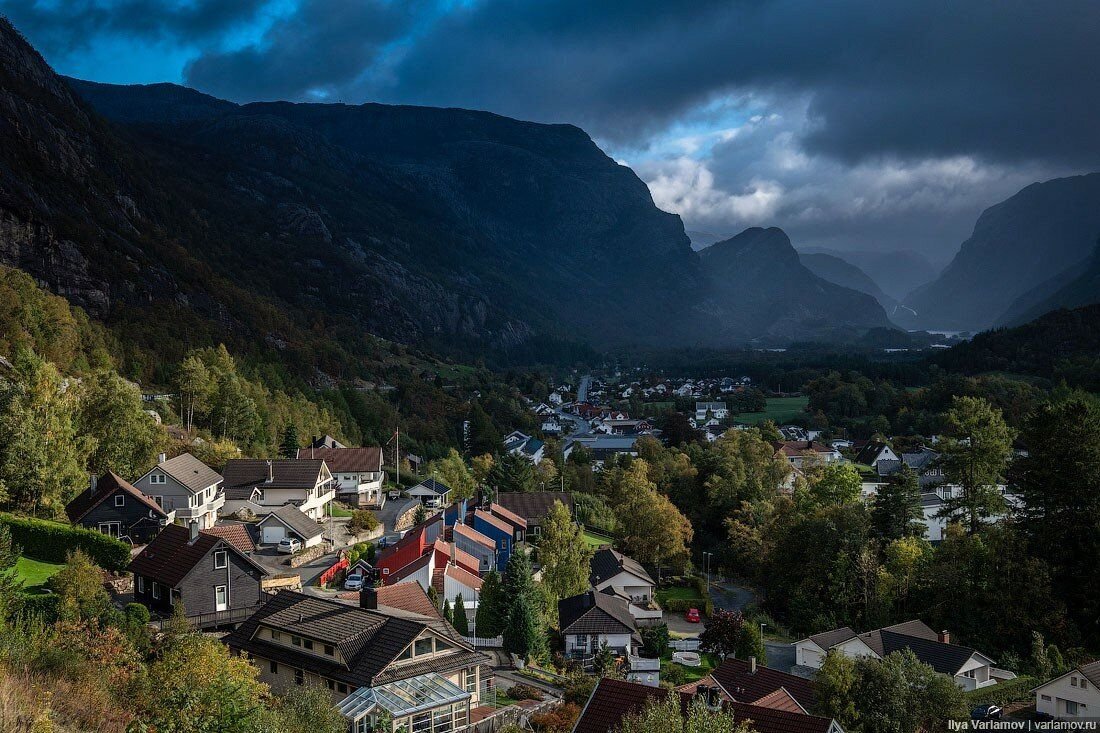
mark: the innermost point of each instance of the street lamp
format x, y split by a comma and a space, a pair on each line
706, 564
762, 632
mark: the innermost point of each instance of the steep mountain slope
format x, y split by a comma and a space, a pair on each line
841, 272
897, 272
1078, 286
758, 273
1018, 244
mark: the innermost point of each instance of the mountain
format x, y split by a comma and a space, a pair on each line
298, 233
841, 272
759, 274
1039, 233
897, 272
702, 240
1078, 286
1061, 345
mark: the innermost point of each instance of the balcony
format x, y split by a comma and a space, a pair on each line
194, 512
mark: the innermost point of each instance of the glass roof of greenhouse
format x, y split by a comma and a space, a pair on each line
404, 697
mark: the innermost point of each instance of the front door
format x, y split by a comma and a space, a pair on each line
221, 599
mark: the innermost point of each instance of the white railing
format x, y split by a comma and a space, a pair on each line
642, 664
684, 645
485, 642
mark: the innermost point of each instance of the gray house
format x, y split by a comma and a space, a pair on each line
217, 584
186, 488
113, 506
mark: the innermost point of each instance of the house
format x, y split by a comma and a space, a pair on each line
706, 410
515, 521
592, 620
622, 575
430, 492
1073, 695
875, 452
186, 488
497, 530
325, 441
412, 672
236, 535
261, 486
113, 506
612, 700
357, 472
533, 506
613, 426
470, 541
409, 548
289, 521
800, 452
969, 669
745, 681
521, 444
217, 584
603, 448
444, 568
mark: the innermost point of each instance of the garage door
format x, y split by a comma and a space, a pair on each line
274, 534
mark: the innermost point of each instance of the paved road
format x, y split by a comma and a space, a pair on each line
392, 510
582, 388
730, 597
781, 655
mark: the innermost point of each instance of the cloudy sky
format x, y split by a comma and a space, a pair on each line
884, 124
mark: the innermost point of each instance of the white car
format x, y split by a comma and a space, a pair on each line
394, 494
289, 545
353, 582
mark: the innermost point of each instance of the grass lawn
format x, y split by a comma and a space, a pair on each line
779, 410
594, 539
34, 573
691, 674
339, 511
681, 592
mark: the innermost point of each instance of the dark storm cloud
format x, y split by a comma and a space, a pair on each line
1005, 79
61, 27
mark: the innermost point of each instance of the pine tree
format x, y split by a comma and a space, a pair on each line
460, 621
512, 473
523, 633
290, 443
492, 607
896, 512
433, 596
974, 457
448, 614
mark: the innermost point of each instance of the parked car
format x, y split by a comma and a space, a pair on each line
394, 494
353, 582
986, 712
289, 545
692, 615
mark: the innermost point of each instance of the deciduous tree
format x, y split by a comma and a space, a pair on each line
127, 439
565, 556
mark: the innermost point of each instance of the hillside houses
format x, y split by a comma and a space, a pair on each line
357, 473
260, 486
186, 488
113, 506
521, 444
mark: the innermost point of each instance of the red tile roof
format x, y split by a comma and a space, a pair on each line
779, 700
407, 597
737, 678
236, 535
508, 516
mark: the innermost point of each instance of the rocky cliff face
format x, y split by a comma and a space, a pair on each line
1037, 234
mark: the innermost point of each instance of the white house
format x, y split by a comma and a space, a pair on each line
1073, 695
706, 410
875, 452
288, 521
625, 576
261, 486
357, 473
591, 620
186, 488
969, 669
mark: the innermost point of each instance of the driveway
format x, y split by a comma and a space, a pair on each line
730, 597
781, 655
394, 508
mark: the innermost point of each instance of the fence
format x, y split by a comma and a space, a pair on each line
511, 715
485, 642
684, 645
328, 575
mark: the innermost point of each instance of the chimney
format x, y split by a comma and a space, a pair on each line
270, 472
368, 598
945, 637
93, 483
193, 531
702, 692
752, 665
714, 699
161, 458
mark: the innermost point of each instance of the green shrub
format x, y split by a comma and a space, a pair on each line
42, 607
523, 691
1017, 690
52, 542
680, 605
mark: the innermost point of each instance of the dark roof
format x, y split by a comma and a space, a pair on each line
345, 459
172, 555
1091, 671
743, 685
533, 505
612, 700
595, 613
607, 563
236, 535
293, 519
434, 486
243, 475
870, 452
369, 641
109, 485
326, 441
189, 471
914, 635
828, 639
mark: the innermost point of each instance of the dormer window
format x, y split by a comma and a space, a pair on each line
221, 559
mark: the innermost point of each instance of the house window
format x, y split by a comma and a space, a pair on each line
120, 500
299, 677
385, 571
296, 640
221, 559
1071, 707
156, 590
1073, 682
221, 598
422, 646
111, 529
331, 685
159, 501
471, 680
275, 635
157, 478
330, 650
1084, 683
141, 584
307, 644
341, 688
274, 667
1046, 698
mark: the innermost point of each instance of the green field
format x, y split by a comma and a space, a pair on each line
691, 674
34, 574
779, 410
595, 539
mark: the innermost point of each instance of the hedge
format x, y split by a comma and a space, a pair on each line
1003, 693
42, 607
676, 605
52, 542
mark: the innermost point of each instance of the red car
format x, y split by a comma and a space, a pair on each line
692, 615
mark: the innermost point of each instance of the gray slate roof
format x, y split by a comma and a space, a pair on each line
369, 640
293, 519
595, 613
607, 563
189, 471
243, 475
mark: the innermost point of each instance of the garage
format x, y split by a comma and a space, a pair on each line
288, 521
273, 533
